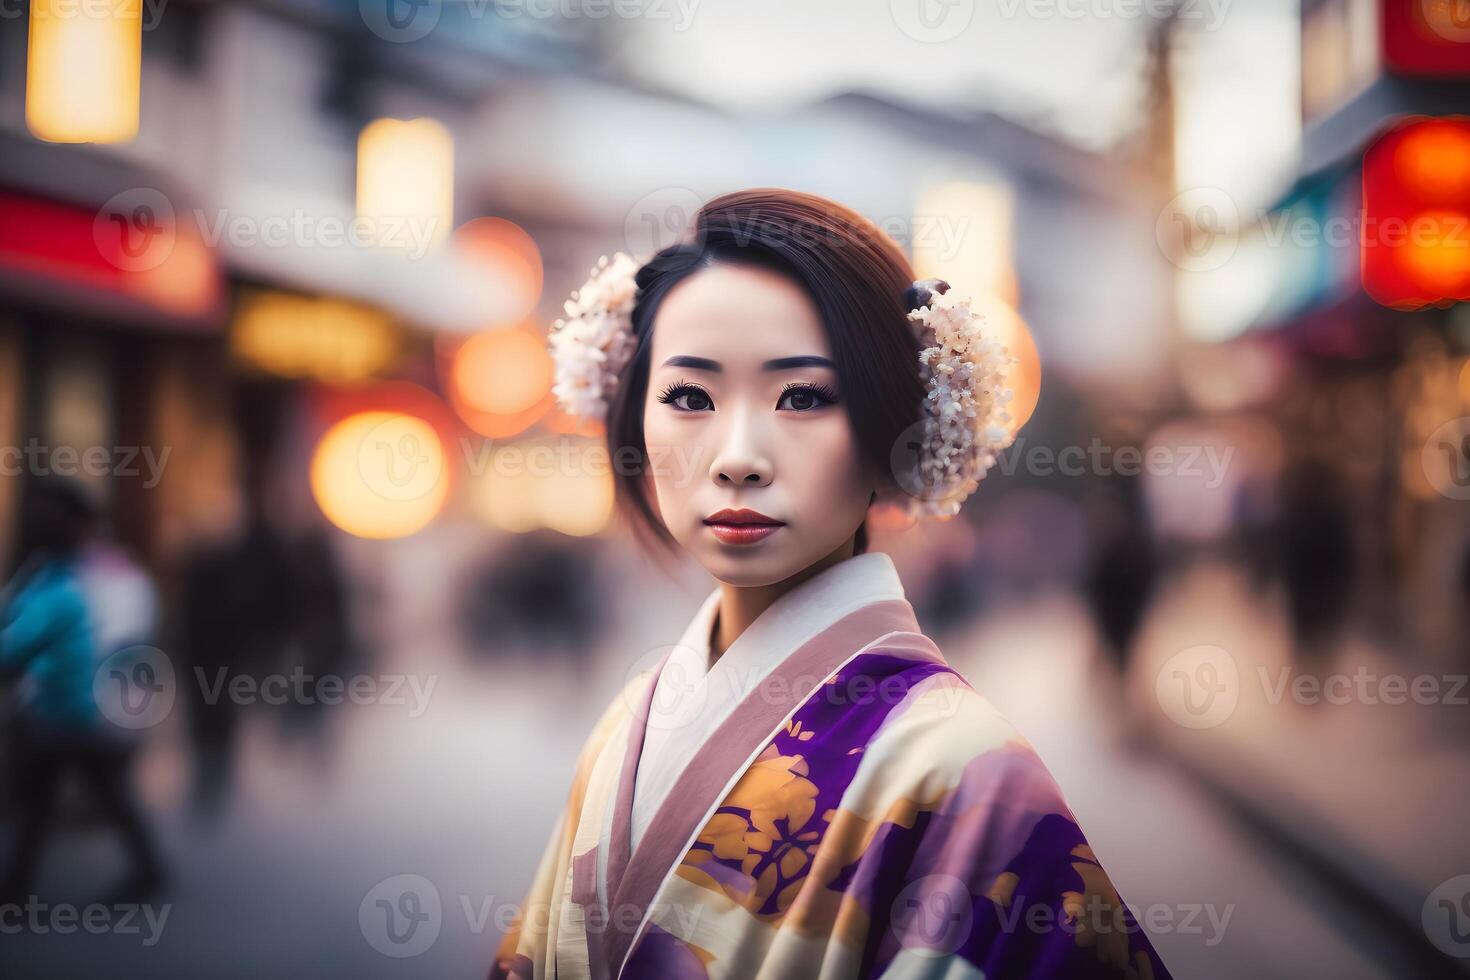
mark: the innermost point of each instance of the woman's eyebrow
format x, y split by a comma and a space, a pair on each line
804, 360
690, 361
775, 364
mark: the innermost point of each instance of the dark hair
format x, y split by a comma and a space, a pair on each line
56, 514
860, 282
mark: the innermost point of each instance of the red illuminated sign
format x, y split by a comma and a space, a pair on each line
1415, 241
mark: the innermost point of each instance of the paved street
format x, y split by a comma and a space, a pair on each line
463, 795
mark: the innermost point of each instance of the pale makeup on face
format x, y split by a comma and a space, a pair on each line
742, 386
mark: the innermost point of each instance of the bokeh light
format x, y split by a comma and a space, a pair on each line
84, 71
313, 337
380, 474
1434, 158
963, 233
561, 484
503, 372
499, 382
1437, 253
405, 181
1003, 322
504, 248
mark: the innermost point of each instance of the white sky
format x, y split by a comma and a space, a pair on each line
766, 53
1072, 67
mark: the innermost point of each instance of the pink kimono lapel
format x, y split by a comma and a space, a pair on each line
633, 880
621, 835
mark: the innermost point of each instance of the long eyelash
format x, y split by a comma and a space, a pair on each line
678, 388
825, 394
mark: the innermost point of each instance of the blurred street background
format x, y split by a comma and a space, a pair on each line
275, 280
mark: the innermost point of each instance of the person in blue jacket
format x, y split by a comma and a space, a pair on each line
49, 646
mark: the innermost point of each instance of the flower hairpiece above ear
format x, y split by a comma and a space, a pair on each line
965, 419
592, 344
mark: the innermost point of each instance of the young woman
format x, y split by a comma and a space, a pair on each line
801, 787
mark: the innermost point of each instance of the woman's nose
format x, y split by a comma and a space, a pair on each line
740, 460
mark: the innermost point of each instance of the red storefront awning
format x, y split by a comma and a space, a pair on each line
129, 262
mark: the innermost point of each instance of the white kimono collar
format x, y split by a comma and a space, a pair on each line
692, 700
799, 614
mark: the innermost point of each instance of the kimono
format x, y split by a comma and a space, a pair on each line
829, 800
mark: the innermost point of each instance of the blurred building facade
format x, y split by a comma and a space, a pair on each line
1327, 334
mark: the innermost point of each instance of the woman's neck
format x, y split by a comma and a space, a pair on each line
741, 605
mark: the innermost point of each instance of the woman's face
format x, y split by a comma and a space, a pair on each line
756, 468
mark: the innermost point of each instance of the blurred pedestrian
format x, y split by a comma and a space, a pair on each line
1318, 557
52, 619
237, 608
321, 642
1121, 565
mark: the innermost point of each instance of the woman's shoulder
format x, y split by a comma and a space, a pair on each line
945, 738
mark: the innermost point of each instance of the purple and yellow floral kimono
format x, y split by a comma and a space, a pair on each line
829, 800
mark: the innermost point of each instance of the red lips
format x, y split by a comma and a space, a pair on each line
742, 526
742, 516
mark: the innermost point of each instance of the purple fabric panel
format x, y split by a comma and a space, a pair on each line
666, 957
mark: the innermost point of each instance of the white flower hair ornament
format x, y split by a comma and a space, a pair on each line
592, 344
964, 423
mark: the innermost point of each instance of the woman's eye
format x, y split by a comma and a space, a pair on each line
686, 398
804, 398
